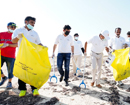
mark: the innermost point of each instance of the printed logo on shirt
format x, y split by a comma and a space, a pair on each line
5, 40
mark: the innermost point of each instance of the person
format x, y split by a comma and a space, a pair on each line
128, 39
99, 43
8, 53
117, 43
78, 50
66, 46
31, 36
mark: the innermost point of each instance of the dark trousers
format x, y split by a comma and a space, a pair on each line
63, 57
22, 85
10, 64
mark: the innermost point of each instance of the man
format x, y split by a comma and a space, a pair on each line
116, 43
128, 39
8, 53
66, 45
31, 36
99, 43
78, 50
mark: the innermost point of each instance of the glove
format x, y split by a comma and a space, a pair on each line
5, 45
85, 54
53, 55
19, 36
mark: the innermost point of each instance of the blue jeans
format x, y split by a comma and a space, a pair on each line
63, 57
10, 65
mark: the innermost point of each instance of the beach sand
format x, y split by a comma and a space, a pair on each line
53, 93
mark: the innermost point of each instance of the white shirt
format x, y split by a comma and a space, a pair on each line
31, 35
77, 47
117, 43
128, 42
98, 45
65, 43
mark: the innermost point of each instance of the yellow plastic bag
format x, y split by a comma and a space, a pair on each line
32, 64
121, 64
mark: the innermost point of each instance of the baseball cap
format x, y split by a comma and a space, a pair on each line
11, 24
105, 33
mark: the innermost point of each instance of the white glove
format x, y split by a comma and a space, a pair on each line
53, 55
5, 45
85, 54
19, 36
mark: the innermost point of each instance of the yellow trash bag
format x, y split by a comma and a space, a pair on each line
0, 60
121, 64
32, 63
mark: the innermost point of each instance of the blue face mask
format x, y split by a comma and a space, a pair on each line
11, 30
129, 38
30, 26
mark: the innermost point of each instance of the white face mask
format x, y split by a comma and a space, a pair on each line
129, 38
76, 38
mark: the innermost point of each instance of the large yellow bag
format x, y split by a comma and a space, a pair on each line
121, 64
32, 64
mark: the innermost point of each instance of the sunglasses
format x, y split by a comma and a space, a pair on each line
13, 26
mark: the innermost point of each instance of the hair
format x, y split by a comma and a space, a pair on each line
30, 18
128, 33
118, 28
67, 27
76, 34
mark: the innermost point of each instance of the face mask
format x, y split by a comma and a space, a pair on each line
129, 38
67, 32
76, 38
30, 26
11, 30
104, 39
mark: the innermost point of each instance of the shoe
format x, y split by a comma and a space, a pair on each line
9, 85
66, 83
74, 74
99, 86
119, 83
92, 83
22, 93
61, 78
3, 81
35, 92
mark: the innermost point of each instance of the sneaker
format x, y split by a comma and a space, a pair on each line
3, 81
66, 83
99, 86
119, 83
9, 85
61, 78
35, 92
22, 93
92, 83
74, 74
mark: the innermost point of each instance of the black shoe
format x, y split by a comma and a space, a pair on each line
74, 74
66, 83
61, 78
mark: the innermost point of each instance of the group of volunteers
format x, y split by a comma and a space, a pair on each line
67, 48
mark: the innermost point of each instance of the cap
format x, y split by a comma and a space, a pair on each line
105, 33
11, 24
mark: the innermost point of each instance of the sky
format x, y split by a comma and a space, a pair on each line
86, 17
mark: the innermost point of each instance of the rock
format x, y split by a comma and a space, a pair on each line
127, 99
52, 101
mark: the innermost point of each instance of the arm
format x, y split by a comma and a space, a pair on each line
54, 48
15, 40
85, 47
13, 45
72, 49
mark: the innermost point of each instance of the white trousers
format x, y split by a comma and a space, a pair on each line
97, 60
76, 62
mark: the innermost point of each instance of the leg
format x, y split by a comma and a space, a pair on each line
22, 85
94, 60
59, 65
79, 60
66, 65
2, 62
74, 66
99, 63
32, 87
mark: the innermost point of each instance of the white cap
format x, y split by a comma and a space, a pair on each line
105, 33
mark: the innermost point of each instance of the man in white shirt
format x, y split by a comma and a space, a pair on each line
78, 50
66, 46
128, 39
116, 43
99, 43
31, 36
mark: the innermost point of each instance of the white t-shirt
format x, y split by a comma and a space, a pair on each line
128, 42
117, 43
98, 45
31, 35
77, 47
65, 43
